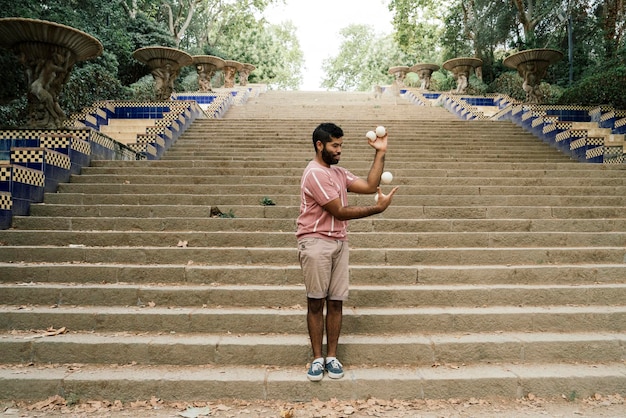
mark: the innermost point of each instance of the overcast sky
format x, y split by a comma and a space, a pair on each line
318, 23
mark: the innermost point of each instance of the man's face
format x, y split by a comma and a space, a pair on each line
331, 152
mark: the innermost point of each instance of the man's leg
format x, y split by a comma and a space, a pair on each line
334, 315
315, 323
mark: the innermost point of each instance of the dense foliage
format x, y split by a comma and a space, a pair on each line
424, 31
230, 29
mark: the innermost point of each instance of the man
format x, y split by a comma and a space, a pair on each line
322, 237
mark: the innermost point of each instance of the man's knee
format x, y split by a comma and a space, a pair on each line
315, 306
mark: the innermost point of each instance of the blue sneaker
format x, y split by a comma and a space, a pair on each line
334, 369
316, 371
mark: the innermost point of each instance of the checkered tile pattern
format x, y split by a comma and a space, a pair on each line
27, 155
5, 173
6, 203
81, 146
58, 159
28, 176
103, 140
55, 141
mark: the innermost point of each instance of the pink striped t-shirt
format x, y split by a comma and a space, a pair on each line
320, 185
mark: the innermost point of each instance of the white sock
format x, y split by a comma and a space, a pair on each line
329, 359
319, 360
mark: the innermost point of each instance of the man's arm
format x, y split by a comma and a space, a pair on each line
369, 186
345, 213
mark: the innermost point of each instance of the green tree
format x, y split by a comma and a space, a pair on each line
363, 60
273, 49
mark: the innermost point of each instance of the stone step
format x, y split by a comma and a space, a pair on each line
481, 203
399, 172
295, 180
288, 296
134, 233
280, 256
293, 189
224, 350
258, 218
512, 274
292, 319
172, 383
415, 218
500, 268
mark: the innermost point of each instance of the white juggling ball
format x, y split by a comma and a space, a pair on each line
386, 177
380, 131
371, 135
376, 196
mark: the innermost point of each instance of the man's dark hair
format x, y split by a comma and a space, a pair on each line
325, 131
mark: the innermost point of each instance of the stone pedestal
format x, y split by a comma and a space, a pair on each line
230, 70
165, 64
532, 65
48, 51
244, 73
462, 68
424, 71
206, 66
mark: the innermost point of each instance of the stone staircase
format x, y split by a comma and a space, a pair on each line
498, 271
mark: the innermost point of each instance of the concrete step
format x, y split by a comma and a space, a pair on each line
173, 383
290, 274
282, 255
231, 350
293, 189
499, 269
481, 204
220, 170
286, 296
135, 233
295, 180
262, 218
290, 318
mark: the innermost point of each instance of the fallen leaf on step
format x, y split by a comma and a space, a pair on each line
287, 413
182, 244
50, 332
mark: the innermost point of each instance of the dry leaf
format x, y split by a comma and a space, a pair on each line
182, 244
287, 413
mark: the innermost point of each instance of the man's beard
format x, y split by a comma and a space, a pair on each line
328, 158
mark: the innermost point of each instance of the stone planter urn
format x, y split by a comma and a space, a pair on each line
206, 66
399, 72
165, 64
231, 68
532, 65
48, 51
244, 73
461, 68
424, 71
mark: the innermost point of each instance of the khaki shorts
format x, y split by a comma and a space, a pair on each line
325, 268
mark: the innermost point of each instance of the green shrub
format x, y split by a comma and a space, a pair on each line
14, 114
442, 82
476, 86
509, 83
143, 89
604, 88
91, 83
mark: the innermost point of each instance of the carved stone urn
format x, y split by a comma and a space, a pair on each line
206, 66
244, 73
231, 68
532, 65
461, 68
48, 51
165, 64
399, 72
424, 71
